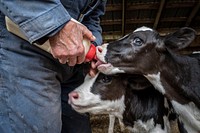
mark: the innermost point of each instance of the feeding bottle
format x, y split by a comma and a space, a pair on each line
90, 50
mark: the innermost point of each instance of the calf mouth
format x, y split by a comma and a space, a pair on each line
103, 66
83, 108
107, 68
100, 56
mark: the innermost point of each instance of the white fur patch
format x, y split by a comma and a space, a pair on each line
143, 28
109, 69
140, 126
149, 127
89, 102
189, 114
123, 37
155, 80
101, 54
196, 52
84, 93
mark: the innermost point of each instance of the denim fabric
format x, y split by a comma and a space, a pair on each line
31, 80
39, 18
30, 87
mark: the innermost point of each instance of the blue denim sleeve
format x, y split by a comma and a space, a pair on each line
92, 22
36, 18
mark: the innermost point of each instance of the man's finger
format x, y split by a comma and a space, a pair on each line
88, 34
72, 61
93, 65
80, 59
92, 72
62, 60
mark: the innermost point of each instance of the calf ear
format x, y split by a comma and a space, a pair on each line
180, 39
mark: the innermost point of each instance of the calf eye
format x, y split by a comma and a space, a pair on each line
137, 41
106, 79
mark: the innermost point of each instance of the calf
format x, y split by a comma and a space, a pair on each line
128, 97
177, 77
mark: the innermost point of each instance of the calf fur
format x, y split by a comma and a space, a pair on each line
176, 76
131, 98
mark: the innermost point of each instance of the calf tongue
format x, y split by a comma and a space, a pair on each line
99, 63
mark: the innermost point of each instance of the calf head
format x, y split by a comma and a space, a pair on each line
99, 95
141, 50
105, 93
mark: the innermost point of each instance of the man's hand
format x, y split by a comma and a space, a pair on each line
67, 46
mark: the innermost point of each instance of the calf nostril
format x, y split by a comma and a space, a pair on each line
99, 48
74, 95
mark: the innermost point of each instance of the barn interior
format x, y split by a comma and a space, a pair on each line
165, 16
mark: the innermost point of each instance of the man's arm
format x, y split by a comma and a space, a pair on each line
92, 21
36, 19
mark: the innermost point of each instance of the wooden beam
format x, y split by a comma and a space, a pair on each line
142, 6
111, 22
149, 5
143, 21
123, 16
162, 31
114, 7
174, 19
162, 3
111, 37
180, 4
192, 14
139, 21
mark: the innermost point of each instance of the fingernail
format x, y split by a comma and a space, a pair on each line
94, 37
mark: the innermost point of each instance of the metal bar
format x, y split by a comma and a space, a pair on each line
162, 3
123, 17
192, 14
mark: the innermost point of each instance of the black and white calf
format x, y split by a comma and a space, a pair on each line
131, 98
176, 76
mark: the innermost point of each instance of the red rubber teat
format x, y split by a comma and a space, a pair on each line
91, 55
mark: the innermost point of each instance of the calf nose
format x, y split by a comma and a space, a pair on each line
99, 49
73, 95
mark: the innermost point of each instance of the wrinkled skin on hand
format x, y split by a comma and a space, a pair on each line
66, 45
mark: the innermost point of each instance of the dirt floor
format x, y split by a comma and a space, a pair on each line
100, 123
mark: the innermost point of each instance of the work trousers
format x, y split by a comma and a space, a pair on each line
31, 81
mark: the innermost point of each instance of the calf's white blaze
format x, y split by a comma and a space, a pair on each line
143, 28
85, 93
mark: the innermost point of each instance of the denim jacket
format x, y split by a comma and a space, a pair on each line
43, 18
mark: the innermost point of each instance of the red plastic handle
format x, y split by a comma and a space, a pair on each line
91, 55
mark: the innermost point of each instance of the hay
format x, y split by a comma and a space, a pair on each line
99, 124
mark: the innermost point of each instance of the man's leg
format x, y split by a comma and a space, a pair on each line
72, 121
29, 87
